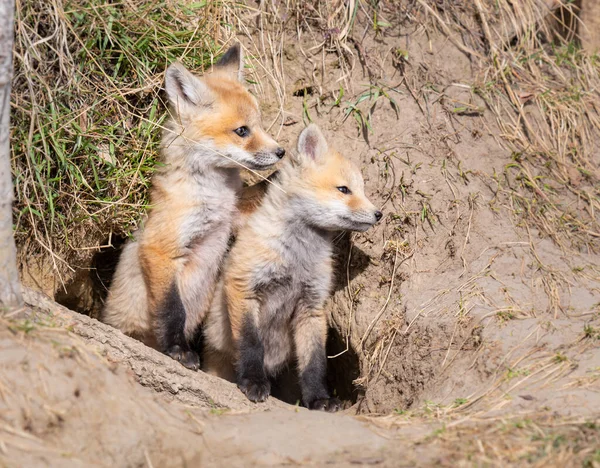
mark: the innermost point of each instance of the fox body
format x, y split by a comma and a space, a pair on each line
269, 305
165, 278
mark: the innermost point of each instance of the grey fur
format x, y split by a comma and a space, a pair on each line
288, 295
301, 282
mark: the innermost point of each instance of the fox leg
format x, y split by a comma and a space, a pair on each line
160, 267
126, 306
172, 318
218, 351
196, 283
310, 333
252, 379
198, 279
181, 284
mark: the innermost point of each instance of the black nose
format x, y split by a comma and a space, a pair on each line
378, 215
280, 153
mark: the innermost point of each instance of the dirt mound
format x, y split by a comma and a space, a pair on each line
67, 400
65, 403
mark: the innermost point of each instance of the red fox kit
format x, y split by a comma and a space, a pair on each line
165, 278
276, 279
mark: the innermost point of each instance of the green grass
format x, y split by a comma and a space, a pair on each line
86, 112
591, 332
460, 401
371, 95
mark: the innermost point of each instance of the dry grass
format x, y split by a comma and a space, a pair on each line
86, 104
529, 439
541, 88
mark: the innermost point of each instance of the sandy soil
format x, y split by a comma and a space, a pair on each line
66, 404
68, 398
481, 310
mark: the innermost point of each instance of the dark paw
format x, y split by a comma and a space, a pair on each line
325, 404
189, 359
255, 390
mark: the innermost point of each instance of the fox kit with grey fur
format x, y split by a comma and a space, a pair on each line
269, 304
165, 278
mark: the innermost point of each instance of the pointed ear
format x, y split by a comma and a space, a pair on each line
312, 145
232, 63
186, 90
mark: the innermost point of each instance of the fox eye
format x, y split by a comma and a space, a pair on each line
345, 190
242, 131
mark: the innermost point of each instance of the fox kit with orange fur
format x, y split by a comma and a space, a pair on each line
270, 301
165, 278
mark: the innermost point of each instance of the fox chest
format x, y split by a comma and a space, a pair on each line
209, 215
284, 300
285, 294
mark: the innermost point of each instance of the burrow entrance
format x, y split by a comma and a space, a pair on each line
87, 292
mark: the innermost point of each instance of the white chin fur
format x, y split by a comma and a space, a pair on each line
249, 160
338, 217
346, 224
360, 227
265, 159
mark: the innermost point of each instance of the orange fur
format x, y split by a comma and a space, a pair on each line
166, 280
336, 171
251, 198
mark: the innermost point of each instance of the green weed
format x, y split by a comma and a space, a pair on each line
87, 111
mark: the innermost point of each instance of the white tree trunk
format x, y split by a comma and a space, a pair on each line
10, 289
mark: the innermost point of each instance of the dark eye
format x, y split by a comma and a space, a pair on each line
243, 131
345, 190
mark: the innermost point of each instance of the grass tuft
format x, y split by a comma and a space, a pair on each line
86, 104
540, 86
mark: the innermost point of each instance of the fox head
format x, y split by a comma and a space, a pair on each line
215, 120
327, 189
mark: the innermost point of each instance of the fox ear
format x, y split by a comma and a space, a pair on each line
232, 63
185, 89
312, 144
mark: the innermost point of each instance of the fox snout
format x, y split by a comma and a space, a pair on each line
265, 150
264, 159
376, 216
363, 220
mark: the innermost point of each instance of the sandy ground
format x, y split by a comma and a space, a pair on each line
482, 309
68, 400
64, 405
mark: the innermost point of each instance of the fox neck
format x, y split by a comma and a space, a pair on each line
196, 169
292, 229
312, 237
204, 175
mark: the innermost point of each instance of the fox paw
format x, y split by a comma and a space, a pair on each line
189, 359
330, 405
255, 390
